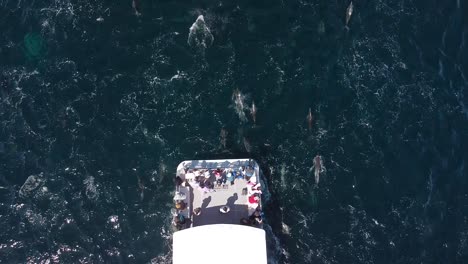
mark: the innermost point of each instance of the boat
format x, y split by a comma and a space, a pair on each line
217, 211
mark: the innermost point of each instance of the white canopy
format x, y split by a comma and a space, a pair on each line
220, 243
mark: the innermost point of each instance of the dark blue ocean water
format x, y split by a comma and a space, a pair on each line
94, 97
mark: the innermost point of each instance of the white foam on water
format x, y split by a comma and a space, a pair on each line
274, 253
179, 76
285, 228
32, 183
113, 222
199, 34
91, 188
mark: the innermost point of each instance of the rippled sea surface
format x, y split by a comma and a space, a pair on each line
95, 99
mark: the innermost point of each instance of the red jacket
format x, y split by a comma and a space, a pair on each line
252, 199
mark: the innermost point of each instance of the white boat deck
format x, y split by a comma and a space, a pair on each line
215, 244
213, 200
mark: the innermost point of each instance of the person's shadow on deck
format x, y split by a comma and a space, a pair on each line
206, 202
231, 200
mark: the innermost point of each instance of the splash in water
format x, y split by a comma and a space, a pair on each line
200, 35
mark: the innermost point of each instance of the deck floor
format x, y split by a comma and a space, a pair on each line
211, 202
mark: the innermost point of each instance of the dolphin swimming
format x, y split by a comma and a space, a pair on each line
247, 146
349, 13
136, 7
141, 186
253, 112
238, 99
222, 137
318, 168
237, 96
310, 118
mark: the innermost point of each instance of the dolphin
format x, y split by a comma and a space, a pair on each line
253, 111
136, 7
247, 146
349, 13
318, 168
236, 95
238, 99
321, 27
310, 118
141, 186
222, 137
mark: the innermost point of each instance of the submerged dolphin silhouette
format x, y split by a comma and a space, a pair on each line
310, 118
222, 137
